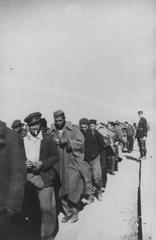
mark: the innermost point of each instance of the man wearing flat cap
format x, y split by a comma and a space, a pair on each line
42, 155
141, 135
70, 144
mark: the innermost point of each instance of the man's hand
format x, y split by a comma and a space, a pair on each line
63, 142
144, 138
116, 143
29, 164
38, 165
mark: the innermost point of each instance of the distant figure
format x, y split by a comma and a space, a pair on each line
112, 157
130, 132
93, 124
141, 135
118, 131
12, 178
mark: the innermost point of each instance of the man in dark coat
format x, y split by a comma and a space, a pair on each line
102, 148
94, 143
141, 135
42, 155
12, 177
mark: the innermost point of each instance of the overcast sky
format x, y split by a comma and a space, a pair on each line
92, 59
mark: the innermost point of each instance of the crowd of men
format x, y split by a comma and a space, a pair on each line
45, 171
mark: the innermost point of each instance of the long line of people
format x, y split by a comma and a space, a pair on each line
67, 166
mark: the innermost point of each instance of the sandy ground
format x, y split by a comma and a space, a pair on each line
148, 191
115, 217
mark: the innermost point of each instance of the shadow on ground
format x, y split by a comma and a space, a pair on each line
132, 158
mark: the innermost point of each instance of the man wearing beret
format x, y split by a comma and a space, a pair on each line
141, 135
42, 155
70, 142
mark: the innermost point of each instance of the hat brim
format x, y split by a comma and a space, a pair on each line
34, 122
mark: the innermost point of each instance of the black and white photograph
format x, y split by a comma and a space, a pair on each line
77, 119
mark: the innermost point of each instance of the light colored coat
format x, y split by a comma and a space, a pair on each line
71, 157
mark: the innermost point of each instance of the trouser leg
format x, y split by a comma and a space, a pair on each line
116, 157
144, 151
49, 222
128, 143
96, 172
103, 159
112, 164
142, 147
87, 177
132, 143
130, 139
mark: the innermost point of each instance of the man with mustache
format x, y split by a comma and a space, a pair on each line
42, 156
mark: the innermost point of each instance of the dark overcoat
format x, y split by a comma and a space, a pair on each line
142, 128
12, 169
49, 157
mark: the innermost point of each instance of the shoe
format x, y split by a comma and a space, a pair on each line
102, 189
66, 218
112, 173
90, 199
99, 196
84, 200
74, 218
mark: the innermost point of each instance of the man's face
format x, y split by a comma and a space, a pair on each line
92, 126
35, 129
140, 115
23, 132
17, 129
84, 128
109, 126
59, 122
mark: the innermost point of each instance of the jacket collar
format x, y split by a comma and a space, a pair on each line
68, 125
39, 136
